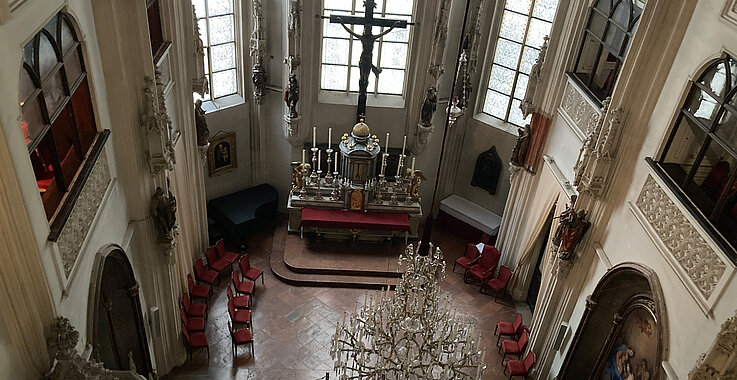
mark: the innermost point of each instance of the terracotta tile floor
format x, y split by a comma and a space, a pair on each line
293, 326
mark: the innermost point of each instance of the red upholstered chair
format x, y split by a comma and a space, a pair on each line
472, 255
510, 347
486, 266
239, 316
194, 341
520, 368
214, 262
240, 337
202, 291
499, 283
193, 309
242, 287
250, 272
224, 254
241, 302
203, 274
192, 324
508, 328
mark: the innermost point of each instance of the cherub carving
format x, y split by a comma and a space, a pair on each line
298, 175
414, 186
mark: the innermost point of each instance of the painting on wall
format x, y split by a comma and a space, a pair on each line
631, 350
221, 156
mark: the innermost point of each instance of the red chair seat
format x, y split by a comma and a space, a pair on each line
242, 287
242, 302
242, 336
516, 368
197, 290
214, 262
203, 274
505, 328
196, 324
464, 262
224, 254
198, 340
248, 271
480, 272
511, 347
253, 273
197, 309
496, 284
242, 316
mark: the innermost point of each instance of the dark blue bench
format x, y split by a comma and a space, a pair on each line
238, 213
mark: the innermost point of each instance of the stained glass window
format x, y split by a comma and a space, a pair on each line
341, 51
525, 23
58, 121
216, 21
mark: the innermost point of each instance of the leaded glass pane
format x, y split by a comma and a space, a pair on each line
545, 9
32, 120
335, 51
72, 67
46, 56
339, 4
515, 114
733, 73
334, 29
604, 6
702, 105
621, 14
521, 86
393, 55
397, 35
223, 57
221, 29
727, 129
402, 7
355, 75
67, 36
507, 53
715, 79
199, 8
513, 26
207, 60
537, 32
53, 91
597, 25
224, 83
26, 86
501, 79
356, 53
496, 104
521, 6
529, 56
220, 7
687, 142
334, 77
391, 81
615, 38
203, 30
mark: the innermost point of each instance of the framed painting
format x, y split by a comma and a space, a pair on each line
631, 350
221, 156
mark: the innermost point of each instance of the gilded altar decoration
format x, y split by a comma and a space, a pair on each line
299, 172
164, 214
201, 124
571, 229
357, 200
414, 186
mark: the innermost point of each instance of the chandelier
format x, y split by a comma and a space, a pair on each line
410, 335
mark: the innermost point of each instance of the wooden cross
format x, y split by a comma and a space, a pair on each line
367, 40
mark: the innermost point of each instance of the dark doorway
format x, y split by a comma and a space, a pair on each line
119, 336
537, 274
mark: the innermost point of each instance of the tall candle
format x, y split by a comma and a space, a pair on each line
303, 156
387, 142
330, 137
383, 163
336, 162
413, 165
319, 159
314, 133
404, 144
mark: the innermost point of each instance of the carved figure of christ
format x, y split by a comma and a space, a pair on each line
367, 41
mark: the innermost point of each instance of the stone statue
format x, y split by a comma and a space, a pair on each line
259, 80
519, 153
291, 95
414, 186
163, 210
199, 117
429, 106
573, 225
298, 175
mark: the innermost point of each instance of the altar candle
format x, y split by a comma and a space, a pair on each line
336, 162
303, 156
330, 137
413, 165
319, 159
404, 144
314, 133
383, 162
387, 142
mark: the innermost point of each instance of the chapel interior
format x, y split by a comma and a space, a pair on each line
368, 189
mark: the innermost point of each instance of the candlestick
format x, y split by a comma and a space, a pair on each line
319, 160
303, 157
330, 137
387, 142
314, 133
413, 165
404, 144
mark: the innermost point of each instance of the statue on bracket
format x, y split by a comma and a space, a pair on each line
291, 95
519, 153
571, 229
199, 117
429, 106
259, 80
163, 211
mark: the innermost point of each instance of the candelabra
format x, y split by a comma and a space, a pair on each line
398, 177
303, 191
314, 176
377, 189
329, 177
393, 198
336, 183
318, 195
409, 336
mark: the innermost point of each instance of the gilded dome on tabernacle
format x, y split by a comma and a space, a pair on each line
361, 129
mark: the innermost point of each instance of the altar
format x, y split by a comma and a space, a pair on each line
350, 201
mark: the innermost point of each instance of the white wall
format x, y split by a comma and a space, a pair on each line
232, 119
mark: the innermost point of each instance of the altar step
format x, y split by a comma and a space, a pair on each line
309, 270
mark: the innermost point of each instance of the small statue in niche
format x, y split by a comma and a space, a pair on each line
571, 229
429, 106
298, 175
201, 124
414, 185
519, 153
259, 80
291, 95
163, 210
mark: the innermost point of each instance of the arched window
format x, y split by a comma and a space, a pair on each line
700, 156
218, 25
611, 26
58, 121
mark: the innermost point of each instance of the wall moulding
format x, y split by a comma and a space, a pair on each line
730, 12
697, 260
578, 110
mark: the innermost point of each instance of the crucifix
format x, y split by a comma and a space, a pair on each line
365, 66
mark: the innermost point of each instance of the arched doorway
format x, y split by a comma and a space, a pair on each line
623, 329
118, 332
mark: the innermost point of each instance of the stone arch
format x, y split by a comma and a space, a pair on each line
628, 290
115, 324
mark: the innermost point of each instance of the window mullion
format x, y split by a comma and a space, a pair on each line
519, 63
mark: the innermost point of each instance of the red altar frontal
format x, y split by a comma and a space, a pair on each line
355, 222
